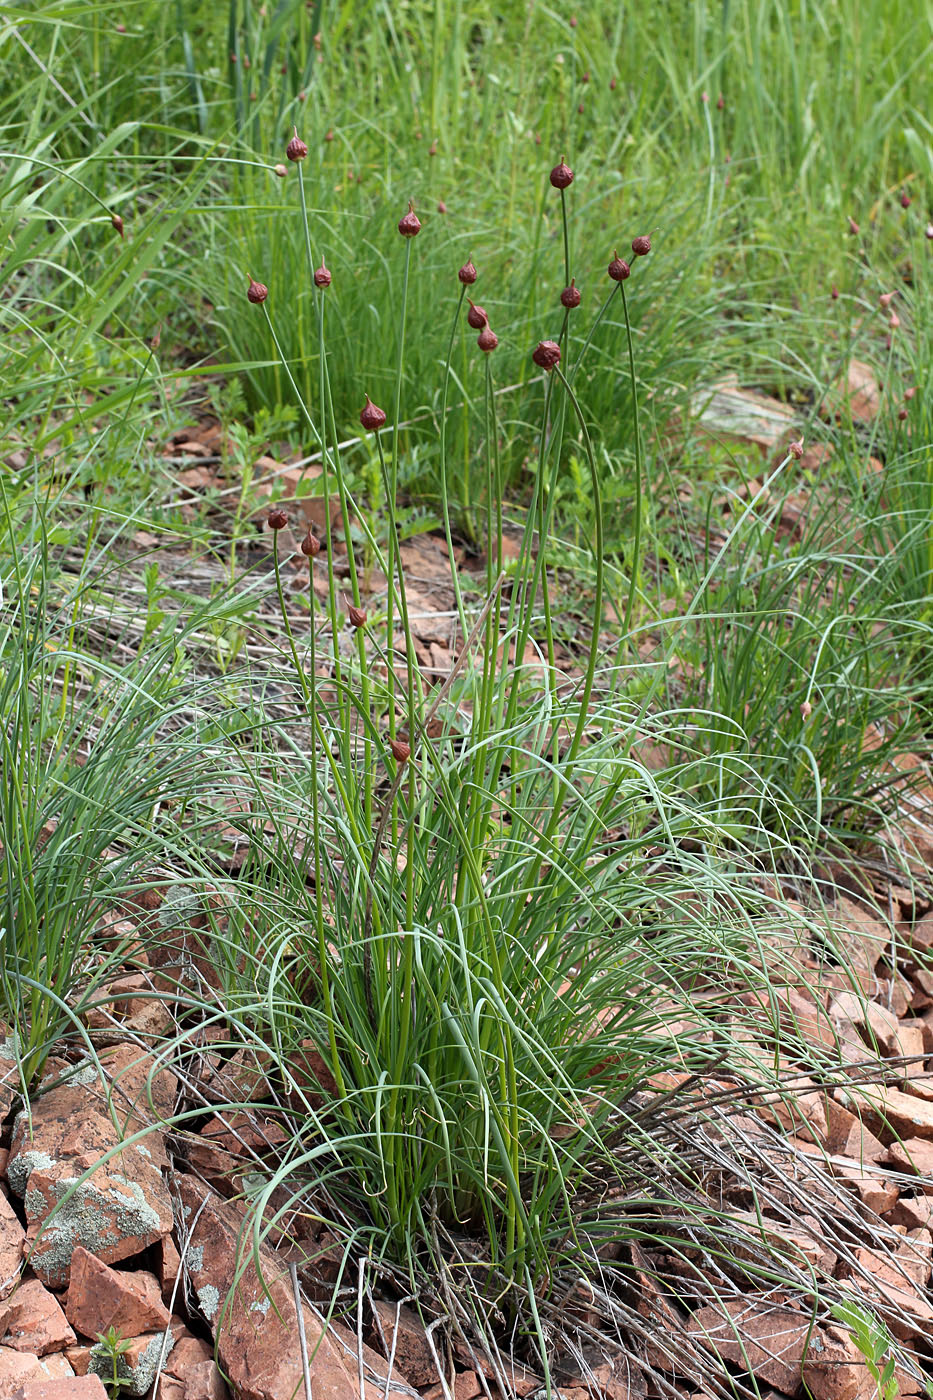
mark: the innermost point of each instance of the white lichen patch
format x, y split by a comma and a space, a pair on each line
209, 1301
9, 1047
23, 1165
143, 1151
260, 1305
195, 1257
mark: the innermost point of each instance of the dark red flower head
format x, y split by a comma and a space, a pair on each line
561, 176
441, 207
619, 269
409, 225
641, 246
546, 354
853, 226
570, 296
476, 316
256, 292
467, 273
357, 616
371, 416
296, 148
117, 223
322, 277
277, 519
905, 200
487, 340
310, 545
400, 750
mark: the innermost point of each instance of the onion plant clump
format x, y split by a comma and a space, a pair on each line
467, 946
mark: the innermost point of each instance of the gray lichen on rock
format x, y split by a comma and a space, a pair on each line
23, 1165
209, 1300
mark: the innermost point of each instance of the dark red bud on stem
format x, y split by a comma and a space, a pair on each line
310, 546
467, 273
561, 176
409, 226
546, 354
277, 519
117, 223
476, 317
256, 292
570, 296
371, 416
487, 340
619, 269
399, 750
296, 148
356, 616
322, 277
641, 246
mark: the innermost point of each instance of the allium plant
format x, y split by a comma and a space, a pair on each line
473, 981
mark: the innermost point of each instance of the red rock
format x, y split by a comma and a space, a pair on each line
848, 1136
769, 1341
169, 1269
78, 1358
255, 1330
889, 1112
834, 1368
855, 394
100, 1297
32, 1320
875, 1193
124, 1206
911, 1155
74, 1388
12, 1236
912, 1212
112, 1214
187, 1353
16, 1367
793, 1011
204, 1382
401, 1330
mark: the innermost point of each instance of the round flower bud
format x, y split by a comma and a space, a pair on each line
117, 223
894, 320
487, 340
400, 750
296, 148
356, 616
570, 296
476, 317
909, 393
806, 709
256, 292
280, 170
371, 416
796, 449
641, 246
322, 277
441, 207
310, 546
853, 226
834, 292
546, 354
885, 299
619, 269
561, 176
409, 225
902, 414
277, 519
905, 200
467, 273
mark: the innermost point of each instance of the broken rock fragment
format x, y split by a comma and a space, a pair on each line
123, 1205
100, 1297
